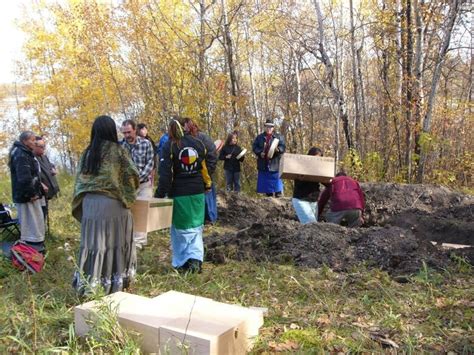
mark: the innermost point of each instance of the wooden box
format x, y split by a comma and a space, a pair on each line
245, 320
306, 167
200, 336
152, 214
134, 313
174, 322
84, 314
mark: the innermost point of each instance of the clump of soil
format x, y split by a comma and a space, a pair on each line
240, 210
276, 240
433, 213
401, 222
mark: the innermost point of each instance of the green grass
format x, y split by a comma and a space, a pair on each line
309, 311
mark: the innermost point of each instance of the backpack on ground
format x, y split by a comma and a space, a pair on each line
25, 257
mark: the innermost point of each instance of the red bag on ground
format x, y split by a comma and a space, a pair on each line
25, 257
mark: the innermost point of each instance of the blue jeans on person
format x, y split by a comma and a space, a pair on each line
210, 203
232, 180
306, 211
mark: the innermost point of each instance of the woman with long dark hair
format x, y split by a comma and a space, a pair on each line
105, 188
182, 176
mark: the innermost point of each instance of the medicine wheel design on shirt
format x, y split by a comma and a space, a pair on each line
188, 157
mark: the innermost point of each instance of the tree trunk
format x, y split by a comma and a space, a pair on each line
355, 81
228, 46
408, 85
447, 31
252, 81
337, 96
418, 84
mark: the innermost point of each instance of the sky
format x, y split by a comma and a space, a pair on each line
12, 38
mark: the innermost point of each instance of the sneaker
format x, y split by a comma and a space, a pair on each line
194, 265
190, 266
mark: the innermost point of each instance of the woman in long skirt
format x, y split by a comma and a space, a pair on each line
268, 163
105, 189
183, 169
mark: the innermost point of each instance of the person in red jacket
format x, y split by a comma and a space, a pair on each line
347, 201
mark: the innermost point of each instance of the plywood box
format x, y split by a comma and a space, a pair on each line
200, 336
306, 167
163, 322
134, 313
152, 214
248, 321
84, 314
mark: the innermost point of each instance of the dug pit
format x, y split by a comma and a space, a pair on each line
401, 222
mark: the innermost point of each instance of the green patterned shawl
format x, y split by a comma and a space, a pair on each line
117, 178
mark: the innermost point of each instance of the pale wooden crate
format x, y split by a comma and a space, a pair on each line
134, 313
85, 313
246, 320
306, 167
200, 336
151, 214
214, 327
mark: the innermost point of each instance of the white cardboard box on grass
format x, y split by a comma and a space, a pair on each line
207, 326
151, 214
306, 167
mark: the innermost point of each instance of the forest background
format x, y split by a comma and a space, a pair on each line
384, 86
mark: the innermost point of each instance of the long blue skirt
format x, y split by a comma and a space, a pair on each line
186, 244
269, 182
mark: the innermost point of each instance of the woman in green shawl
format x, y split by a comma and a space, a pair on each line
105, 188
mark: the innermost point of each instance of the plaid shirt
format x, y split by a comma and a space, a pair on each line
142, 155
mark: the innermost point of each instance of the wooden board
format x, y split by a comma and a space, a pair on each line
306, 167
152, 214
451, 246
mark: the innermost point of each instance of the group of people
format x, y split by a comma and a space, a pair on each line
112, 173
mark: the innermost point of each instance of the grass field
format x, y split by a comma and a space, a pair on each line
309, 311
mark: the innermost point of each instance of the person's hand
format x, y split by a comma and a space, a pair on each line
54, 171
228, 156
362, 221
262, 154
45, 188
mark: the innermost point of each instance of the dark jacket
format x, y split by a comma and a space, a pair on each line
258, 147
180, 167
306, 190
24, 169
211, 152
47, 176
345, 194
231, 164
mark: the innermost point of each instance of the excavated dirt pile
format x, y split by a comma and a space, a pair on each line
401, 222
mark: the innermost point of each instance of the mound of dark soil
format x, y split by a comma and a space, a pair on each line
240, 210
277, 240
401, 222
386, 200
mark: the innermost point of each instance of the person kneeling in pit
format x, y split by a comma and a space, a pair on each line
347, 201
